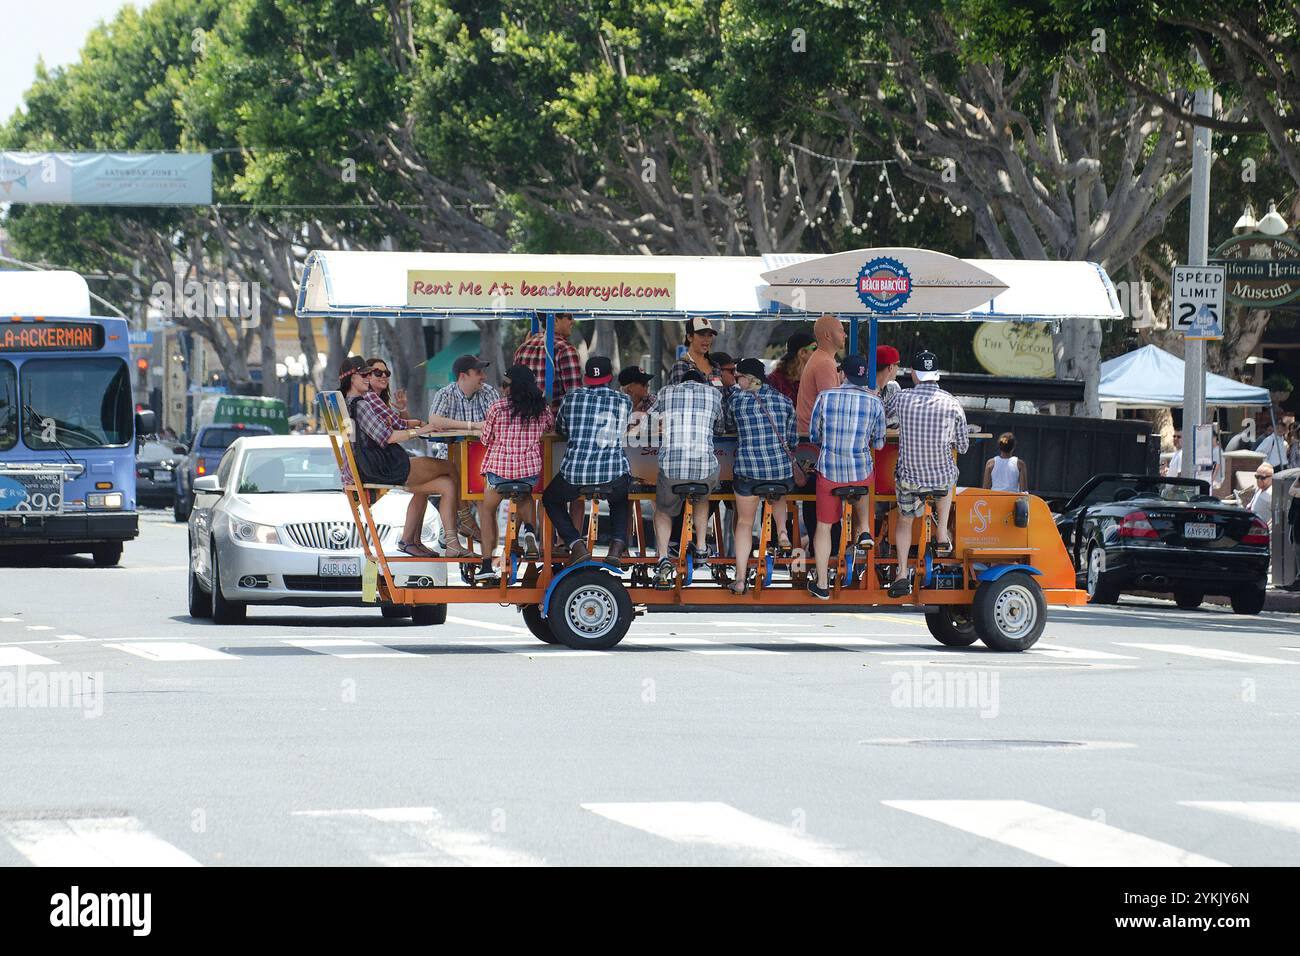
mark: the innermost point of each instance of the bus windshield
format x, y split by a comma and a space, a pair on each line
76, 403
8, 406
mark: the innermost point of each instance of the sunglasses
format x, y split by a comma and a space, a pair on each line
728, 368
1263, 477
363, 372
380, 373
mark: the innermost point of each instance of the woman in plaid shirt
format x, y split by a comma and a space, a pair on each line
764, 422
512, 435
377, 425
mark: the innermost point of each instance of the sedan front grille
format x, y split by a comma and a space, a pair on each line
329, 535
309, 582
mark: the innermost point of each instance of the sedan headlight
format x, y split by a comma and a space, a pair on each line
108, 502
252, 532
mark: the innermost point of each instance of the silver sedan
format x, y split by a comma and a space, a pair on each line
273, 526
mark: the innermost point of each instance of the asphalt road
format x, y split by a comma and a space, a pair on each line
1139, 734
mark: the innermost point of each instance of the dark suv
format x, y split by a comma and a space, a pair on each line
205, 455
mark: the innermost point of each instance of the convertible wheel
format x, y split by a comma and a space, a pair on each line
1188, 600
1248, 601
1099, 590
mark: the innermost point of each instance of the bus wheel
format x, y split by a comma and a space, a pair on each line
540, 627
952, 626
428, 614
590, 610
107, 555
1010, 613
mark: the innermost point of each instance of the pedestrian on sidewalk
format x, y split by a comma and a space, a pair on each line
1006, 472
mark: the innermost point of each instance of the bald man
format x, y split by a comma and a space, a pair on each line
822, 371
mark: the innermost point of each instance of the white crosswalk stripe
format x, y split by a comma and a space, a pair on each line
21, 657
91, 841
416, 836
1043, 649
1209, 653
1052, 834
172, 651
723, 826
698, 645
1281, 814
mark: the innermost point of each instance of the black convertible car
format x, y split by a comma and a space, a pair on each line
1146, 533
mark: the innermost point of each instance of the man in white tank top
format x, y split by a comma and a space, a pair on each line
1006, 472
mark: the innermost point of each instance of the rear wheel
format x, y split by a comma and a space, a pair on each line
223, 611
107, 555
590, 610
427, 615
1248, 601
1100, 591
1010, 613
394, 611
540, 627
1188, 600
952, 626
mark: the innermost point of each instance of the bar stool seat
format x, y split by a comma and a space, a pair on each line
851, 492
514, 489
771, 490
691, 489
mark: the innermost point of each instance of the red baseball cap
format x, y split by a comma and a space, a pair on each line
886, 355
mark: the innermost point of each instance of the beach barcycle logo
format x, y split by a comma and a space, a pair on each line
884, 284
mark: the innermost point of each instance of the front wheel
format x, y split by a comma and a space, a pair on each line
200, 600
590, 610
1248, 601
107, 555
1010, 613
538, 625
952, 626
427, 615
223, 611
394, 612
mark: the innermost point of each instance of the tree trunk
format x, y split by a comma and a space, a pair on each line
266, 331
1076, 346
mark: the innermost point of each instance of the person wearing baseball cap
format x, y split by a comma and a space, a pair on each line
467, 398
887, 359
931, 427
568, 367
764, 422
847, 422
789, 367
700, 333
593, 419
633, 382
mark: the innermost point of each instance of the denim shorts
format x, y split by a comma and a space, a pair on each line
745, 486
494, 480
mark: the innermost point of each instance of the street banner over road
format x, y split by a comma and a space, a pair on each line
115, 179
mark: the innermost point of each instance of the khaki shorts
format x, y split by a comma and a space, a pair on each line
670, 503
911, 498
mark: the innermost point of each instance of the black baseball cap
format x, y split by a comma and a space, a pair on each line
926, 366
599, 370
855, 369
797, 342
752, 367
632, 374
467, 362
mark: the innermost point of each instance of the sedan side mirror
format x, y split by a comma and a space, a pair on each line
208, 483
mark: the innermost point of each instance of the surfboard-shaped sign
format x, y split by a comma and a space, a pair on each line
884, 282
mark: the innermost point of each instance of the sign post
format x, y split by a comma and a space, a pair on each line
1198, 242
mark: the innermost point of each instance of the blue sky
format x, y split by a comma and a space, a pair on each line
53, 30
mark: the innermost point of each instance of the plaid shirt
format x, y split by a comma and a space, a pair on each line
450, 402
374, 419
759, 454
594, 421
931, 425
514, 446
690, 414
847, 422
568, 370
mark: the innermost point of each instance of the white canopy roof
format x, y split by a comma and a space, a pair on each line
379, 284
58, 293
1150, 377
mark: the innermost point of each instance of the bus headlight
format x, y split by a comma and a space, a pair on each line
252, 532
107, 502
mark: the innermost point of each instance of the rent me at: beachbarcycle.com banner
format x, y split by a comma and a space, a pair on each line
130, 179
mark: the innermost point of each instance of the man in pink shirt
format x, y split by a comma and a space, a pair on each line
822, 371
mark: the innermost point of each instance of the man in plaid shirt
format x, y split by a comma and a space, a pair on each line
467, 400
593, 419
931, 426
847, 422
568, 370
690, 414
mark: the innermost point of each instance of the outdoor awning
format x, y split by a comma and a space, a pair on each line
55, 293
1150, 377
429, 284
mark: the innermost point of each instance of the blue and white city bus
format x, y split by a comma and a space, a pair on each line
67, 423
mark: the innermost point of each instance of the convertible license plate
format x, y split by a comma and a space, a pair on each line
339, 568
1200, 531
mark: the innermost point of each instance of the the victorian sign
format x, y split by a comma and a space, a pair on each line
1262, 271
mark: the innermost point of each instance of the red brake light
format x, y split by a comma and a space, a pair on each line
1258, 533
201, 467
1137, 525
239, 426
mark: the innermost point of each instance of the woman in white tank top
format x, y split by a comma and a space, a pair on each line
1006, 472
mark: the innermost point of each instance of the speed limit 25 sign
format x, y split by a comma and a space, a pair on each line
1198, 301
